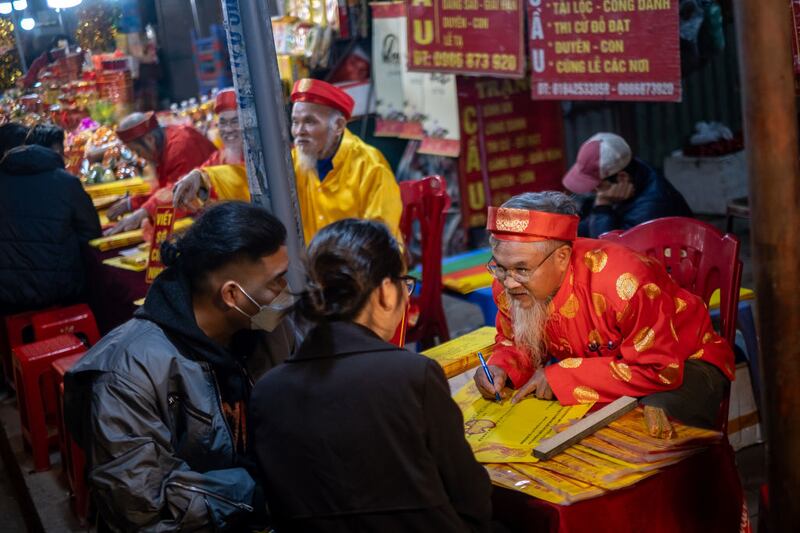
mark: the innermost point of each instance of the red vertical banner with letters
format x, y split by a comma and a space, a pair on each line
162, 229
509, 145
477, 37
605, 50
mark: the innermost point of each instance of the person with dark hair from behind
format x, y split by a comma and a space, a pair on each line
47, 135
159, 404
353, 433
12, 134
45, 216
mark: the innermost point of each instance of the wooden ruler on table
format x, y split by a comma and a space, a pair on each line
547, 448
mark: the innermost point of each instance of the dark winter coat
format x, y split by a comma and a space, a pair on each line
356, 434
44, 217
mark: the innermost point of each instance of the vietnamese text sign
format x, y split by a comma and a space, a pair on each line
466, 36
509, 145
605, 50
162, 229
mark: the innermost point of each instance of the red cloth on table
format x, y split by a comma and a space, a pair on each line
185, 149
701, 494
111, 291
618, 325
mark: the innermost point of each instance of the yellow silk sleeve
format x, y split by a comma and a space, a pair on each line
229, 182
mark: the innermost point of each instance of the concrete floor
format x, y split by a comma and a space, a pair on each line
9, 507
50, 494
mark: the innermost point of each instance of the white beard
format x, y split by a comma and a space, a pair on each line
528, 325
306, 161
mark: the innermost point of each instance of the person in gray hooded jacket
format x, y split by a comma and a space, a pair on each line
159, 404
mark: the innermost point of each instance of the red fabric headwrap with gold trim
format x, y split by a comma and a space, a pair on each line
523, 225
144, 127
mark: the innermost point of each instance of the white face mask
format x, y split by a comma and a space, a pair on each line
268, 316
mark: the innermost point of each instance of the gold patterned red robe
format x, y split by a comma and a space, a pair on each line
618, 325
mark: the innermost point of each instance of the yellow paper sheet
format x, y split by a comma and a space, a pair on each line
593, 471
119, 262
571, 489
504, 476
596, 455
130, 185
506, 432
459, 355
137, 261
129, 238
139, 302
633, 425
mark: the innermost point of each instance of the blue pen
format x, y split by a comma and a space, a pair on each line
489, 376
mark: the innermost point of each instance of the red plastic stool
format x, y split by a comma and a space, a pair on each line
33, 377
76, 319
72, 458
18, 331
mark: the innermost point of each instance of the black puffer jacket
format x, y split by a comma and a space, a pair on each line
654, 197
44, 216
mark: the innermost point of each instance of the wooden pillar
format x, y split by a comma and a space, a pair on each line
770, 120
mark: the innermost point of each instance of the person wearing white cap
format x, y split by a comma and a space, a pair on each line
627, 191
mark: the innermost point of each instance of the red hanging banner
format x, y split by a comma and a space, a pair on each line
478, 37
605, 50
162, 229
509, 145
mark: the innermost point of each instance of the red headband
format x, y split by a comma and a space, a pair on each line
148, 124
226, 101
523, 225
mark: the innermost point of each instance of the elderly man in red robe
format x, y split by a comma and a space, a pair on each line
175, 150
611, 321
223, 175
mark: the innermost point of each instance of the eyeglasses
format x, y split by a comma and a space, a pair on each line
520, 275
409, 282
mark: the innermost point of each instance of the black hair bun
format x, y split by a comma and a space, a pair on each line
170, 253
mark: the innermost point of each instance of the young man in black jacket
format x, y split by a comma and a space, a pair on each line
159, 405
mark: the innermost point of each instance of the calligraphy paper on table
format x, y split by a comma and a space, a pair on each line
506, 432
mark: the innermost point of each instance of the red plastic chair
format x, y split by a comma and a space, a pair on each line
34, 379
76, 319
73, 460
18, 330
425, 201
42, 324
700, 259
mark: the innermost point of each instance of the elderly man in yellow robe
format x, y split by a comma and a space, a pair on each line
338, 175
